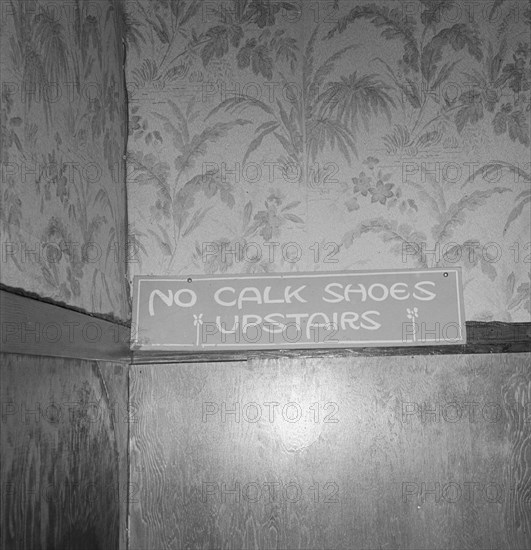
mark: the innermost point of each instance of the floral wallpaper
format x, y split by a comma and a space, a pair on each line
62, 144
272, 136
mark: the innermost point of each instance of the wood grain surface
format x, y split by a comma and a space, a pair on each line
115, 382
63, 435
365, 453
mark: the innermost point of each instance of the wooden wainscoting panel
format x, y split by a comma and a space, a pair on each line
62, 449
418, 453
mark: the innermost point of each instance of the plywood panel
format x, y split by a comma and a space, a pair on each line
351, 457
115, 381
61, 451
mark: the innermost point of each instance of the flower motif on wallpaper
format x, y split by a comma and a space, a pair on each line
269, 222
363, 184
371, 162
381, 192
376, 185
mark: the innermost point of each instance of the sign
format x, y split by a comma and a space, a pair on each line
299, 310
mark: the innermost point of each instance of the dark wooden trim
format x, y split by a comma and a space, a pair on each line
33, 327
481, 338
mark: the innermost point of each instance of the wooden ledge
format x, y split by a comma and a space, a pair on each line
33, 327
492, 337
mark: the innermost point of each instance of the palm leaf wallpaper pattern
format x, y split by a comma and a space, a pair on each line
353, 134
63, 134
266, 136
